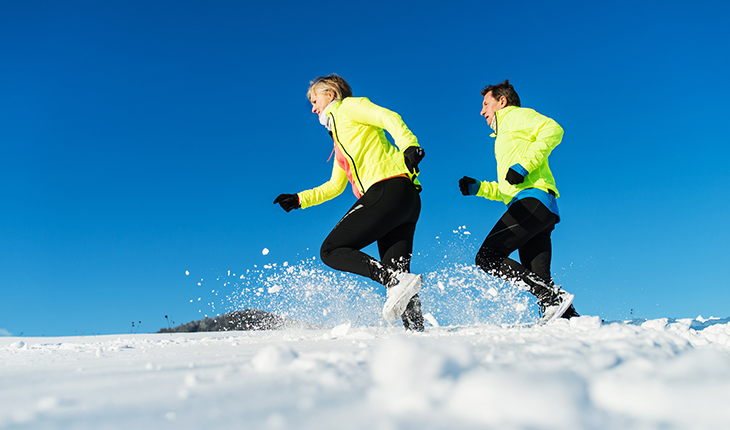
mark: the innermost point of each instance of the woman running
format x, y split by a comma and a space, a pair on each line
384, 179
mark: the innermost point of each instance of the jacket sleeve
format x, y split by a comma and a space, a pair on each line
367, 112
489, 190
327, 191
546, 135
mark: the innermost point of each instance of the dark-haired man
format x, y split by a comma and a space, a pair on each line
523, 142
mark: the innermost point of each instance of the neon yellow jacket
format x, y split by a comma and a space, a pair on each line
363, 155
523, 137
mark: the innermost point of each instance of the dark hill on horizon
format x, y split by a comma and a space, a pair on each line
247, 319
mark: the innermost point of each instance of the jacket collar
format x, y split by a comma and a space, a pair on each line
500, 114
330, 107
324, 119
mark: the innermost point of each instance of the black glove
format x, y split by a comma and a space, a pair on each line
514, 178
468, 186
413, 156
288, 201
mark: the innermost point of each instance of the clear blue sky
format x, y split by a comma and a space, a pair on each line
144, 139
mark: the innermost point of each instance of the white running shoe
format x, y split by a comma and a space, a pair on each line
400, 294
558, 307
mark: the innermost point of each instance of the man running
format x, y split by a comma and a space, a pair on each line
523, 142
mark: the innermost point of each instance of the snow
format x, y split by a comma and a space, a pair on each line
577, 374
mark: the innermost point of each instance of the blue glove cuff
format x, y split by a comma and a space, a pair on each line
474, 188
519, 169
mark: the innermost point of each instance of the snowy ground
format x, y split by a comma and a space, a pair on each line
578, 374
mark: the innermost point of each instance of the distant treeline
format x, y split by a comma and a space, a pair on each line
247, 319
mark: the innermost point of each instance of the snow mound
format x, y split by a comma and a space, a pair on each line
581, 373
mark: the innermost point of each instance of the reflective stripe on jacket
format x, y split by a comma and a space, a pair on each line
527, 138
363, 155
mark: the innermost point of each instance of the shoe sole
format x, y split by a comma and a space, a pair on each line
396, 305
561, 310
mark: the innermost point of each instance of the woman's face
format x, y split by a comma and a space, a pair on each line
320, 100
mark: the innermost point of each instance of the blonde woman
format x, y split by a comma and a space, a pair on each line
384, 179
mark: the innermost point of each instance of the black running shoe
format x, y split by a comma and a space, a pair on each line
413, 315
570, 313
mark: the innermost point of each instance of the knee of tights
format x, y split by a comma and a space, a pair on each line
324, 253
489, 259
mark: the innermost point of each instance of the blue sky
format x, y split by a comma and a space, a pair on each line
141, 140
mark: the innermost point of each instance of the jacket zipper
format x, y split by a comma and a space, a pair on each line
496, 123
352, 161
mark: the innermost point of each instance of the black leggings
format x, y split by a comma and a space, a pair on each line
386, 213
526, 226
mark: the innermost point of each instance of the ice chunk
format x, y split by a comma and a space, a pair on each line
431, 319
341, 330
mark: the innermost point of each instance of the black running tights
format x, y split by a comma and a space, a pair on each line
386, 213
526, 227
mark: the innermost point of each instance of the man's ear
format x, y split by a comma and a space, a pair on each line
503, 101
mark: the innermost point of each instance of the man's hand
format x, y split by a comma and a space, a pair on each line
413, 155
469, 186
288, 201
516, 174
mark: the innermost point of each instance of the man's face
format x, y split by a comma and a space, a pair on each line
490, 105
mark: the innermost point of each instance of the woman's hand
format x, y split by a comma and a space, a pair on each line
288, 201
413, 155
